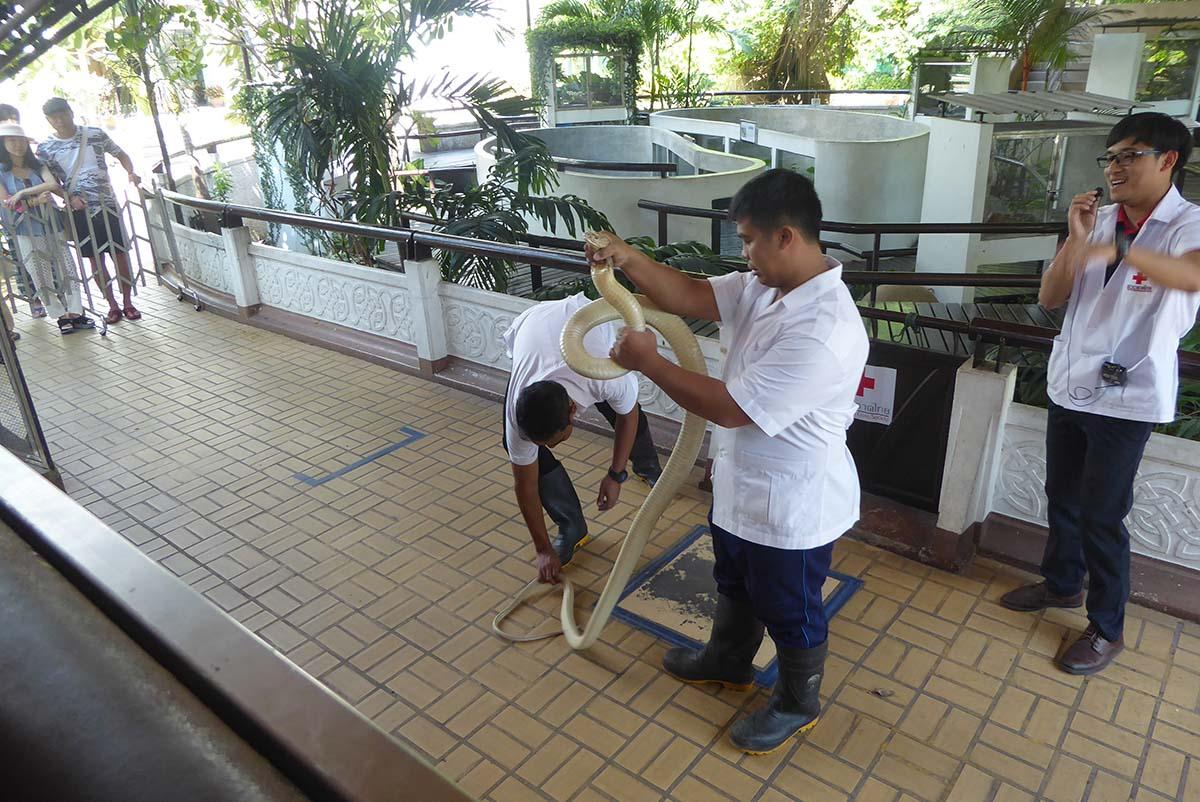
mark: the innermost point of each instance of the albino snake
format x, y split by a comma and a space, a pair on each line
618, 303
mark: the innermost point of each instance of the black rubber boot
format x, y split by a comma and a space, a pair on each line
728, 657
793, 708
562, 505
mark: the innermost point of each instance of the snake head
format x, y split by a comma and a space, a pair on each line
597, 239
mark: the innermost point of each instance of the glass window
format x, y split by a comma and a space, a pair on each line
570, 82
589, 80
1168, 69
606, 76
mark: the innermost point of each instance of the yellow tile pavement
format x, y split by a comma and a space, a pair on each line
185, 432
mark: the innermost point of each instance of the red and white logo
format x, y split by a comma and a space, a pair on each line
876, 397
1139, 282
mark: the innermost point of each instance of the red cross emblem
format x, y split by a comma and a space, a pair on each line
1138, 278
865, 384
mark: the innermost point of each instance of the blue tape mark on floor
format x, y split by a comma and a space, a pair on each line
413, 436
847, 585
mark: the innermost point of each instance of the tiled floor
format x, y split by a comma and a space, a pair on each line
184, 432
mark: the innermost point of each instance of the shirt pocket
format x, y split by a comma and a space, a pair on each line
780, 496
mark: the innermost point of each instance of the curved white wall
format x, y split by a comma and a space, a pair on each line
617, 194
870, 168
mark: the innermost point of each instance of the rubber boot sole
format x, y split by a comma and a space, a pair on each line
782, 743
729, 686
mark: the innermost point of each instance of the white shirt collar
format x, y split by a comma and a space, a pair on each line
816, 286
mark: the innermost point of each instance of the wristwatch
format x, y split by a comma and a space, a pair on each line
620, 477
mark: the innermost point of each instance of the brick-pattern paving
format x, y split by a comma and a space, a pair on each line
184, 432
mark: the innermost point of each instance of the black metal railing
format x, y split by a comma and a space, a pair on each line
663, 169
416, 244
875, 230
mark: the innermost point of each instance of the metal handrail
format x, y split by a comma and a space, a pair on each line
871, 228
562, 163
984, 331
538, 252
413, 240
875, 230
1005, 334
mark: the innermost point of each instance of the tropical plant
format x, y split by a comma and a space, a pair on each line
1031, 32
336, 107
794, 45
615, 37
222, 182
659, 23
340, 95
178, 57
498, 209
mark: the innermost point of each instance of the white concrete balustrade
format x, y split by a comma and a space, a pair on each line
414, 308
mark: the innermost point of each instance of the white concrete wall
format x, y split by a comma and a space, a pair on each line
1165, 520
617, 194
203, 257
996, 462
867, 165
415, 308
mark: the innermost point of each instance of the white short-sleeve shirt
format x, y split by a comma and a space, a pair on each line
1130, 321
534, 343
794, 364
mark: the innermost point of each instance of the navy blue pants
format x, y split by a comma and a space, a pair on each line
1091, 461
782, 585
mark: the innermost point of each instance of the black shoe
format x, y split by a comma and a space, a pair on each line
728, 657
1031, 598
793, 708
562, 505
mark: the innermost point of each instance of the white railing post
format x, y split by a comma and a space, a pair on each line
982, 397
429, 322
241, 269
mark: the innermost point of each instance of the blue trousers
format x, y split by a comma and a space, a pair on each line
1091, 461
782, 585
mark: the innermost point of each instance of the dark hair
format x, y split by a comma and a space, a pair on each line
543, 410
1160, 131
31, 161
8, 112
777, 198
55, 105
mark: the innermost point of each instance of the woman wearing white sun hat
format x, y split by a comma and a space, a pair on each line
26, 187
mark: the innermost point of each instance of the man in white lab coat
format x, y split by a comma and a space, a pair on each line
1129, 274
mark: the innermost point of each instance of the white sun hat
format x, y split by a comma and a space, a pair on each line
13, 129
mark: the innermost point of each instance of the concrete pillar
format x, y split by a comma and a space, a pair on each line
241, 269
429, 323
989, 75
981, 400
1116, 63
955, 191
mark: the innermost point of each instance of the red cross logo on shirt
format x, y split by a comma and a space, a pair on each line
865, 384
1138, 278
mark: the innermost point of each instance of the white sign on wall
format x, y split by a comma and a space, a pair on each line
749, 132
876, 395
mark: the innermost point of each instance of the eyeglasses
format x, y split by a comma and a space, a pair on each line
1124, 158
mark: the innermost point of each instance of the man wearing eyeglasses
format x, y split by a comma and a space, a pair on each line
1129, 274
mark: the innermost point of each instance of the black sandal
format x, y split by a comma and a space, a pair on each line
66, 325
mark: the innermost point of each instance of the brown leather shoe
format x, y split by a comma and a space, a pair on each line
1090, 653
1031, 598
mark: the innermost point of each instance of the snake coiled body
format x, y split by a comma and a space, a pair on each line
617, 303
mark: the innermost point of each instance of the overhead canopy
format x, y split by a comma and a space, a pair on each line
1152, 15
1036, 102
30, 28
